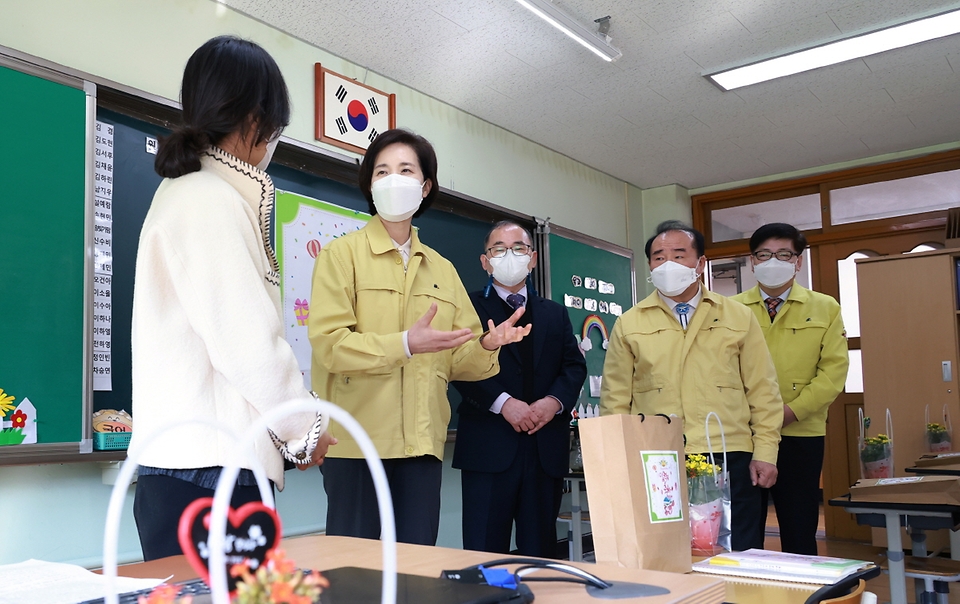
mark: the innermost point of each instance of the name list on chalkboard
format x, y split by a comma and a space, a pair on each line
103, 255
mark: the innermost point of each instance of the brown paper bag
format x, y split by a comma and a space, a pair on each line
911, 489
637, 488
943, 459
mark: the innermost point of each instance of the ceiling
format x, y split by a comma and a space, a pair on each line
650, 118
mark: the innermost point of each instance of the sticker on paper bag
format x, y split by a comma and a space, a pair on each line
904, 480
661, 472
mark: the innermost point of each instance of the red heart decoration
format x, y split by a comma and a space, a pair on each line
252, 531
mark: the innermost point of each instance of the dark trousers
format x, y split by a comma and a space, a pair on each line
159, 502
746, 522
352, 501
796, 496
523, 493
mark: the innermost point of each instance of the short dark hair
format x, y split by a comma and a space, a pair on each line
425, 155
778, 230
226, 82
675, 225
504, 224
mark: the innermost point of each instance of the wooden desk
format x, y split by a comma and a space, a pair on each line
321, 552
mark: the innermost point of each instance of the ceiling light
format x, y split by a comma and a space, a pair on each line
898, 36
595, 43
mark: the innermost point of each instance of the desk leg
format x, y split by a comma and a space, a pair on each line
575, 515
898, 579
918, 543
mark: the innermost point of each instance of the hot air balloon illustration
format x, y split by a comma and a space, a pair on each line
313, 248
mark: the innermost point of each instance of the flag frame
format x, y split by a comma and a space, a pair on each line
322, 109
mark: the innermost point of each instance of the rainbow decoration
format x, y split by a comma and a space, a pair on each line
591, 322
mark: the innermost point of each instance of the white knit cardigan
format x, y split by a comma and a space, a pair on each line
207, 336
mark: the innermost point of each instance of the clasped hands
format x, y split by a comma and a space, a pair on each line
421, 337
532, 417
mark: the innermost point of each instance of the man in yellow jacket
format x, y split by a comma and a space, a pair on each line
804, 332
688, 351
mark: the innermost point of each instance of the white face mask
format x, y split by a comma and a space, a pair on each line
774, 272
271, 147
397, 197
672, 279
511, 269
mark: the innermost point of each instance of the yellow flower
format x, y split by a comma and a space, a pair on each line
6, 403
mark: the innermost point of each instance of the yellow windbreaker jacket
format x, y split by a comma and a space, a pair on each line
719, 364
361, 303
809, 349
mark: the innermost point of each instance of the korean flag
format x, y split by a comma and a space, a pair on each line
353, 114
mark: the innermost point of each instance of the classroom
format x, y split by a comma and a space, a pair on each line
863, 157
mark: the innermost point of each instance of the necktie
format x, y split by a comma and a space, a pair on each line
516, 301
772, 304
683, 310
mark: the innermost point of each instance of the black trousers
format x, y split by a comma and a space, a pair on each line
159, 502
796, 496
746, 522
523, 493
352, 501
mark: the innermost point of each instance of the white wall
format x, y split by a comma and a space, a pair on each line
144, 44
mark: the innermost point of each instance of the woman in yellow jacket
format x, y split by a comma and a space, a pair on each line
391, 325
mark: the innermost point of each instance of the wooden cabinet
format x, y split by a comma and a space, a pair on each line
908, 336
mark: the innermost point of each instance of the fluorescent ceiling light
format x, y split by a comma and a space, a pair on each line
592, 41
864, 45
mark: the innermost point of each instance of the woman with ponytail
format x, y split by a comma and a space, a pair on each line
207, 337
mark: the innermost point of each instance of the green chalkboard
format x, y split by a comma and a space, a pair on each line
43, 257
595, 281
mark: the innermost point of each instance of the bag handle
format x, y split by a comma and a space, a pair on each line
860, 416
946, 419
723, 440
889, 425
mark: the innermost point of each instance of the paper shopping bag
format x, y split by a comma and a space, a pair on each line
637, 489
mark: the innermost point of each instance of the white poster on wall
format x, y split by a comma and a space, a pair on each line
304, 227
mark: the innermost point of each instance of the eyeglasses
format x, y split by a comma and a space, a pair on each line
518, 249
783, 255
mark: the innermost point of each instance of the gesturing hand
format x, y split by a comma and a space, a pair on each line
423, 338
505, 333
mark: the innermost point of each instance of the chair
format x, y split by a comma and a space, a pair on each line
936, 574
851, 598
848, 590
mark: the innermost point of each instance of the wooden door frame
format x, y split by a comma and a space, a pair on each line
842, 429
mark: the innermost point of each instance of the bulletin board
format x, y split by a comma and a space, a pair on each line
46, 163
595, 281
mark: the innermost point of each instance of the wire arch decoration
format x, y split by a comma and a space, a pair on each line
224, 492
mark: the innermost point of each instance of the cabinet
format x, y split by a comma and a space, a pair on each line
908, 336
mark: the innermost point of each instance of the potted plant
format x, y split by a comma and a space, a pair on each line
877, 457
704, 486
938, 438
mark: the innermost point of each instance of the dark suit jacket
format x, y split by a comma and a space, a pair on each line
486, 442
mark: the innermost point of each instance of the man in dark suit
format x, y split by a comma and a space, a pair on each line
513, 432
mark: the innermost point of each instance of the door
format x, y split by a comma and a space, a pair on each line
835, 274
